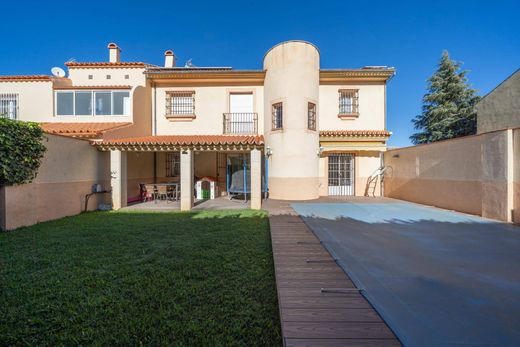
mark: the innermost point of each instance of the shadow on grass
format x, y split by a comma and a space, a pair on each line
130, 278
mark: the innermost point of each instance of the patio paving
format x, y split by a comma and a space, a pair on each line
221, 203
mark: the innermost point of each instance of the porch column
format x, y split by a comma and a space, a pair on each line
186, 180
118, 178
256, 179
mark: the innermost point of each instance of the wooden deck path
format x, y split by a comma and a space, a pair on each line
319, 304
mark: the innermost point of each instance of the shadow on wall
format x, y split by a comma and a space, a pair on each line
468, 174
434, 281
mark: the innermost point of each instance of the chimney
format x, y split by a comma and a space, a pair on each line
114, 53
169, 59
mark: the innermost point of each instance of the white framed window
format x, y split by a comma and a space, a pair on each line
9, 105
92, 103
348, 102
180, 103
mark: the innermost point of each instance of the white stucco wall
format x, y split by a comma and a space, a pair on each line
79, 76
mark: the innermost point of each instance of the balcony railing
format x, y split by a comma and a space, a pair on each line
240, 123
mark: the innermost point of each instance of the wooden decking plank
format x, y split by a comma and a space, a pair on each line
342, 343
335, 330
329, 315
337, 316
337, 302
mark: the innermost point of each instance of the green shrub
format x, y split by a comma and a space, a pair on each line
21, 151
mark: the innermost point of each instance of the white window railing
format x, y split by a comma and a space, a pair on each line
9, 105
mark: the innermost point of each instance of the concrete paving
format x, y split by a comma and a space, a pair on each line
438, 278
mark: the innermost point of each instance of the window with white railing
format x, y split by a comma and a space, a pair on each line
180, 103
348, 102
93, 103
9, 105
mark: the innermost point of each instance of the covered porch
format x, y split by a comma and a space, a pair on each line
229, 167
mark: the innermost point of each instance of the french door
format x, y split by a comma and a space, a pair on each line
341, 174
241, 113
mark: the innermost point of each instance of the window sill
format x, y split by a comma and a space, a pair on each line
180, 117
348, 115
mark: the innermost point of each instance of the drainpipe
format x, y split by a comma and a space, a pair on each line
154, 130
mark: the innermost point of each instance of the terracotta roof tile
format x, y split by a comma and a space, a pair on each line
85, 130
25, 78
104, 64
354, 133
187, 140
94, 87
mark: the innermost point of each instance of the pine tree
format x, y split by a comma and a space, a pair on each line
448, 106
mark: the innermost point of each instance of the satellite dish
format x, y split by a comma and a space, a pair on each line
58, 72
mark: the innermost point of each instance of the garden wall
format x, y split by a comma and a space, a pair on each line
69, 169
516, 176
473, 174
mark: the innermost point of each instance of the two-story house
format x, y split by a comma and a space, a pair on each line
290, 130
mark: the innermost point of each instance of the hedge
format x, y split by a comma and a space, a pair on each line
21, 151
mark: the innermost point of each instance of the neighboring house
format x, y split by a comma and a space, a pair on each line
299, 131
500, 109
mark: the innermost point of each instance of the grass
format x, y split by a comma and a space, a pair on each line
114, 278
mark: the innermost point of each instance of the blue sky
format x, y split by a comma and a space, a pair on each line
408, 35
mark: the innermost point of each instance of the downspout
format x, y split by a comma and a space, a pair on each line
154, 131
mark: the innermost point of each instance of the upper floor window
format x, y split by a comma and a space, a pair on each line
180, 103
89, 103
277, 116
9, 105
348, 102
311, 116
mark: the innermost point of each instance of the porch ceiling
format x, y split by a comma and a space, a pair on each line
182, 142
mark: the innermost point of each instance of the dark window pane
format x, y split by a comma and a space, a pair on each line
83, 104
64, 103
121, 103
103, 103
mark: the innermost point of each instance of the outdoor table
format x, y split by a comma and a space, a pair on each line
173, 185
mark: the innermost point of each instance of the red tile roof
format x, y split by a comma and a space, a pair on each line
25, 78
187, 140
85, 130
104, 64
94, 87
354, 133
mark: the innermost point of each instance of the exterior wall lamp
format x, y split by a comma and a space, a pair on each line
268, 151
319, 152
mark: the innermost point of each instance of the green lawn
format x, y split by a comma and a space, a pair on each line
114, 278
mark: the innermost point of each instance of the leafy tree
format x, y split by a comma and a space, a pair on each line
21, 151
448, 106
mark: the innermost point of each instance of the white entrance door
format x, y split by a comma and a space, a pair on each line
241, 109
341, 174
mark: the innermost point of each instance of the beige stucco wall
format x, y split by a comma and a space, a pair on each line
292, 77
210, 104
516, 175
35, 99
68, 171
371, 107
468, 174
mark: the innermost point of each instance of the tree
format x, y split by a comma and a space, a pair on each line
448, 106
21, 151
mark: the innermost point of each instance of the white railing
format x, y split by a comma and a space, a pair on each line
240, 123
9, 105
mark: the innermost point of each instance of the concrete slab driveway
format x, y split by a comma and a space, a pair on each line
438, 278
